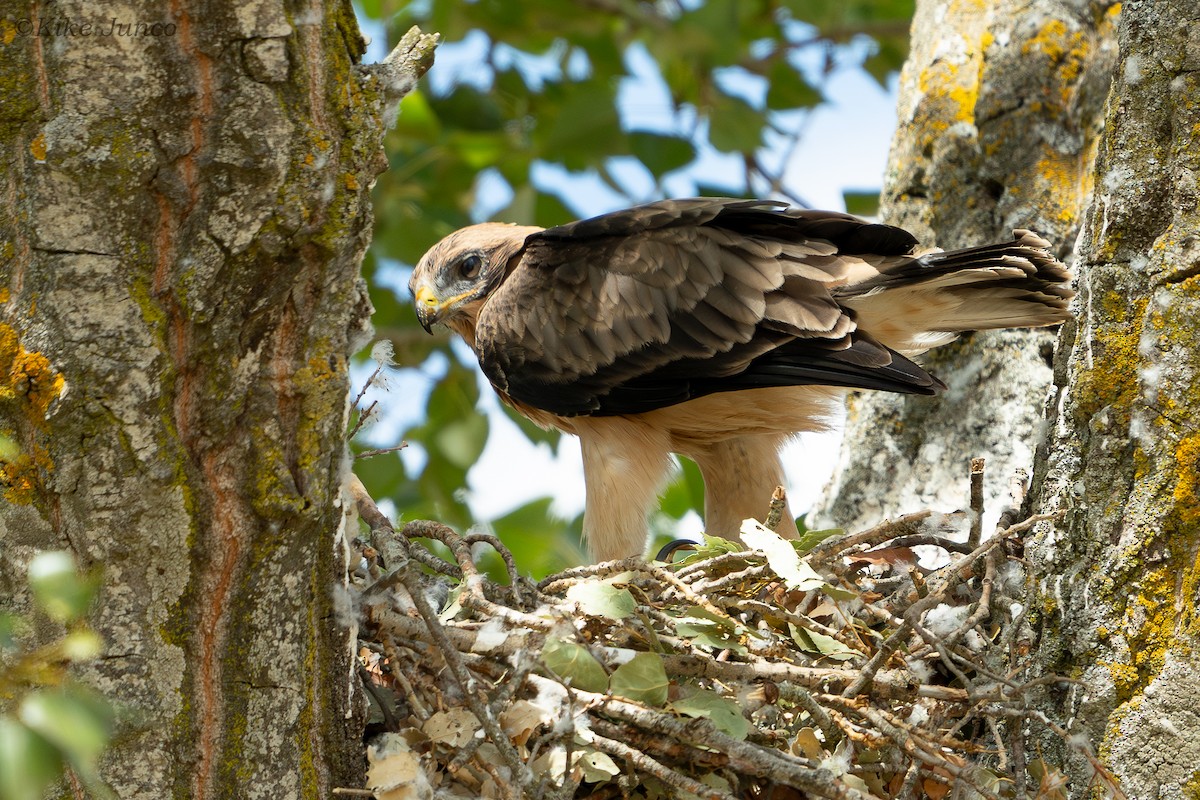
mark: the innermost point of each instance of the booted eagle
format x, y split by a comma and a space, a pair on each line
713, 328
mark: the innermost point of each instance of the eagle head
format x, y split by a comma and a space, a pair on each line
453, 280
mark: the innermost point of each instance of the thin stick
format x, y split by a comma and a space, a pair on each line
778, 506
976, 533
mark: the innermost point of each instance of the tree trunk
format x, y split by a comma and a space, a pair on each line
1119, 573
185, 210
1000, 108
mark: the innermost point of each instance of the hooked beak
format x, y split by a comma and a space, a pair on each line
428, 306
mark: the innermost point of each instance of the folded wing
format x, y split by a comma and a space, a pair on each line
644, 308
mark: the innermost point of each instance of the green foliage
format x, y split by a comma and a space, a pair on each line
541, 543
574, 664
642, 679
603, 598
725, 714
49, 722
544, 89
524, 90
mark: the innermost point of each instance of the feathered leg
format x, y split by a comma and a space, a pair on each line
739, 476
624, 464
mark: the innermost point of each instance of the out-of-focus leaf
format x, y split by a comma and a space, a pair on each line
734, 125
469, 109
478, 150
417, 117
575, 664
888, 58
461, 441
725, 714
582, 123
642, 679
788, 89
549, 210
453, 435
76, 724
530, 206
540, 542
81, 645
712, 190
685, 492
383, 475
58, 587
28, 761
863, 204
8, 631
9, 449
661, 154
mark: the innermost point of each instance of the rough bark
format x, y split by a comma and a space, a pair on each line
1118, 576
1000, 105
184, 211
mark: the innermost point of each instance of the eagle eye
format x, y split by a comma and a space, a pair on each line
469, 267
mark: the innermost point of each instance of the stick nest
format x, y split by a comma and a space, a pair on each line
835, 666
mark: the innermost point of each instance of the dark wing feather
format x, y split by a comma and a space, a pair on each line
644, 308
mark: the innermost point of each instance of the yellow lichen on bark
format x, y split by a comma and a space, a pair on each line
27, 377
28, 387
1187, 481
1115, 384
1068, 180
952, 89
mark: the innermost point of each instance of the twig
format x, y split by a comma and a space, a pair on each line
385, 708
888, 529
870, 670
482, 711
977, 465
778, 506
745, 758
820, 716
663, 773
410, 694
364, 416
380, 451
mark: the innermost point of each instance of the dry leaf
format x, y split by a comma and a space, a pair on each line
395, 772
454, 727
